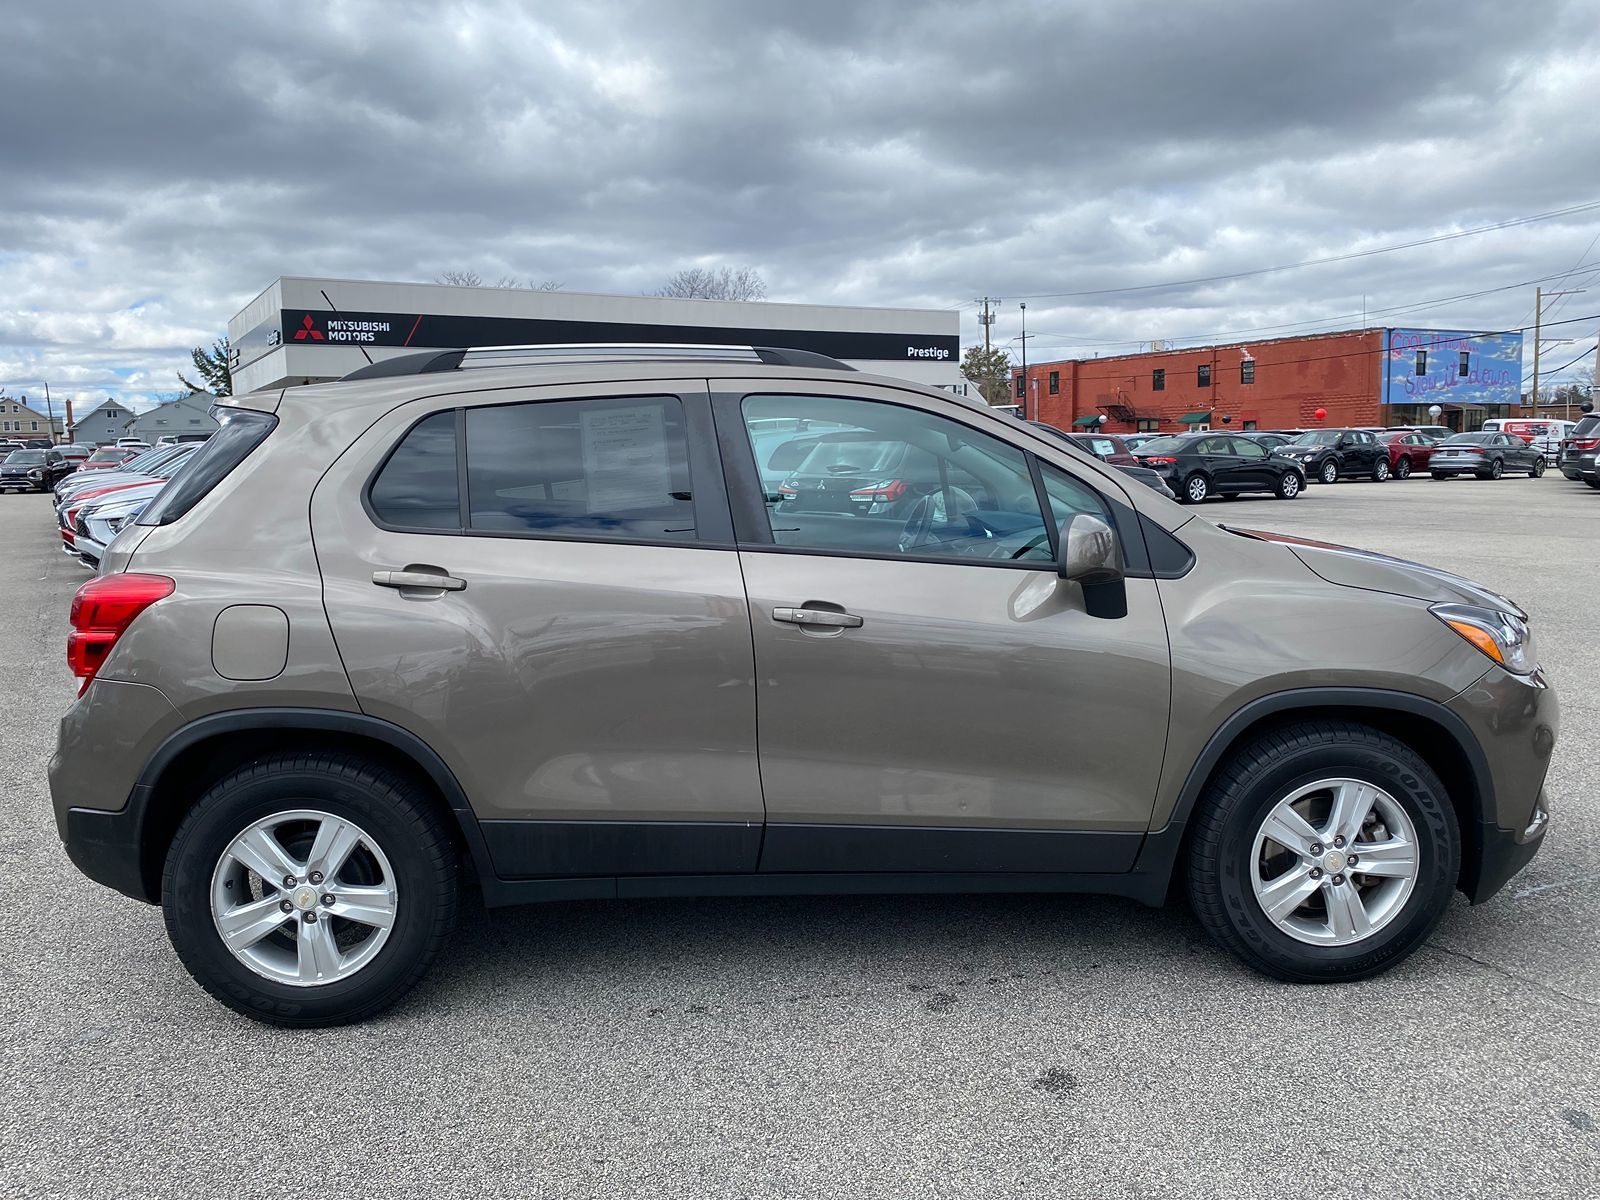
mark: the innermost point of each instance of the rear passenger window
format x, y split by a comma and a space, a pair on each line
417, 488
607, 469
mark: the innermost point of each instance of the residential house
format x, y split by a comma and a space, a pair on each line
18, 420
103, 424
188, 414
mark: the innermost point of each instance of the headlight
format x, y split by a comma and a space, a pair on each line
1502, 636
35, 473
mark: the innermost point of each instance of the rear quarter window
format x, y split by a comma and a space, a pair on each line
241, 431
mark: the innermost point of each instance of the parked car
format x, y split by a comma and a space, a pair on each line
135, 469
1328, 455
1408, 451
1107, 447
1149, 478
1485, 455
1529, 429
1553, 438
1578, 454
32, 470
96, 521
438, 619
1267, 439
132, 443
105, 459
1134, 440
76, 454
1198, 466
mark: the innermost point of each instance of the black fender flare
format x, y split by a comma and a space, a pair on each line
1158, 857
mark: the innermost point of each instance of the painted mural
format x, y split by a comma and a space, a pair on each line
1490, 372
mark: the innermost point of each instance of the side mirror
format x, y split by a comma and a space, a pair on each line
1090, 555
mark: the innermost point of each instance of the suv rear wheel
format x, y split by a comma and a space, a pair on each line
310, 889
1323, 851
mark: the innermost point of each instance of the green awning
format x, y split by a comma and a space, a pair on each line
1197, 418
1085, 422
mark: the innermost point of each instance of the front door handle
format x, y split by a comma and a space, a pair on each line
418, 579
819, 618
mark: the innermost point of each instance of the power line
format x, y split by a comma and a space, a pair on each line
1316, 262
1294, 362
1411, 306
1575, 361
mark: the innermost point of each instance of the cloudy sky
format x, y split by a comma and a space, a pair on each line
160, 163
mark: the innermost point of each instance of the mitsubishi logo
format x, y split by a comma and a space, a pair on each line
307, 328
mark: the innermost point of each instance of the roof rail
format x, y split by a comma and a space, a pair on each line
596, 353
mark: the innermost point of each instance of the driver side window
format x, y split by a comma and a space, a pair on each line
880, 479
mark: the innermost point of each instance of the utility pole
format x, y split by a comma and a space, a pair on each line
1025, 386
986, 320
49, 412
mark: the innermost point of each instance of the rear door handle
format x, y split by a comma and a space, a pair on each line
418, 579
817, 617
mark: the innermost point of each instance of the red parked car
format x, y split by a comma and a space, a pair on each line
1408, 451
105, 460
1107, 447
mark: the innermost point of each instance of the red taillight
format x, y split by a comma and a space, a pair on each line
1158, 460
1586, 443
889, 490
102, 611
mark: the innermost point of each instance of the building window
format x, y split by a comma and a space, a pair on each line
1422, 362
1147, 425
1249, 425
1158, 380
1055, 383
34, 425
1466, 364
1202, 375
1247, 371
1021, 387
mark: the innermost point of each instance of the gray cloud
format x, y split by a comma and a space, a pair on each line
161, 163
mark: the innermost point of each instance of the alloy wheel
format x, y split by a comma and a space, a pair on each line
1497, 469
303, 898
1402, 469
1196, 489
1538, 468
1330, 472
1381, 471
1334, 862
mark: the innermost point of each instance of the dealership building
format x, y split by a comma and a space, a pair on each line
313, 330
1357, 377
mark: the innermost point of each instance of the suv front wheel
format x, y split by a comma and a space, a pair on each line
310, 889
1323, 851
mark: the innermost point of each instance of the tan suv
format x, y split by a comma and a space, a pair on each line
532, 615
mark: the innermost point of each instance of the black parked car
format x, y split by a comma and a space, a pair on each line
1267, 438
1328, 455
1578, 452
1198, 466
1486, 455
33, 470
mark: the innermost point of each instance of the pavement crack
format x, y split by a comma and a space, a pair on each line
1582, 1001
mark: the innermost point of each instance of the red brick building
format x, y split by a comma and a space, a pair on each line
1273, 384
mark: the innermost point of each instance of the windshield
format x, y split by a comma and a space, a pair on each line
1317, 437
846, 458
1163, 445
25, 457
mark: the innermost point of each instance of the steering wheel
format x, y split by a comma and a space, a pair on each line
920, 520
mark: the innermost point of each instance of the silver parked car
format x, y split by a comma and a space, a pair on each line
532, 616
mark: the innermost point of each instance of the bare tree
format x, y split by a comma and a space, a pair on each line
546, 285
459, 278
721, 283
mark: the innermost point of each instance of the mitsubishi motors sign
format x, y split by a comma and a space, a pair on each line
437, 331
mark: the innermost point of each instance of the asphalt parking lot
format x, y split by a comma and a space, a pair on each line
949, 1046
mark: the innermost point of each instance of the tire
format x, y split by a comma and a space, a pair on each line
394, 817
1594, 483
1290, 485
1439, 475
1537, 470
1402, 469
1328, 472
1380, 472
1196, 489
1225, 863
1497, 468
